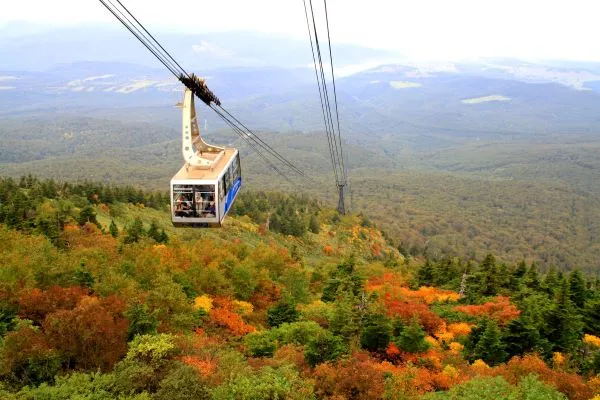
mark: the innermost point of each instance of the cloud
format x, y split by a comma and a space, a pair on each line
210, 48
485, 99
94, 78
404, 84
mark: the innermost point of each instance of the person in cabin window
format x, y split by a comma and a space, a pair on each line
183, 206
211, 209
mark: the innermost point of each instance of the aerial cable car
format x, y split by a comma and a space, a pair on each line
205, 188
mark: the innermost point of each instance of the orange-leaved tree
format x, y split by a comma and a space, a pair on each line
499, 309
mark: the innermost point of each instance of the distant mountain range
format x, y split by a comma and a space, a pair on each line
268, 80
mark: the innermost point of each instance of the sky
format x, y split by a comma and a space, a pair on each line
420, 29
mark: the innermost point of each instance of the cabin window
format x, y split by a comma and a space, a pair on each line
236, 168
222, 188
194, 201
228, 182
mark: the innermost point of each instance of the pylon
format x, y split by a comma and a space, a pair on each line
341, 202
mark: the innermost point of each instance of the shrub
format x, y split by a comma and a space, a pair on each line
324, 347
299, 333
182, 383
260, 344
283, 311
376, 332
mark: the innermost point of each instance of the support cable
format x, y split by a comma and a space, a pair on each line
197, 86
327, 132
337, 114
326, 92
264, 144
252, 144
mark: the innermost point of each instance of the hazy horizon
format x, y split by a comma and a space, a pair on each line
429, 30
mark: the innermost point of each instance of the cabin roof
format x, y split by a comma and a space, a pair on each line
207, 174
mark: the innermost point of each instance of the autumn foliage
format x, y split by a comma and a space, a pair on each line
243, 312
406, 310
35, 304
91, 335
570, 384
500, 309
357, 378
223, 315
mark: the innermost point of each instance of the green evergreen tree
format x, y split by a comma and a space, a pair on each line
577, 288
325, 346
113, 229
517, 276
83, 276
345, 279
50, 221
313, 224
412, 338
376, 332
521, 336
532, 277
87, 214
504, 276
152, 231
551, 282
487, 277
425, 274
563, 322
591, 315
345, 318
490, 348
141, 321
134, 231
283, 311
162, 237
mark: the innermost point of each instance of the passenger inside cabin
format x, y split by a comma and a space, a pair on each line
208, 205
183, 206
211, 209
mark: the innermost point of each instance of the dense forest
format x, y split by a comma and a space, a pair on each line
435, 193
100, 298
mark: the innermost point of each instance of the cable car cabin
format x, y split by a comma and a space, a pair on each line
201, 197
204, 189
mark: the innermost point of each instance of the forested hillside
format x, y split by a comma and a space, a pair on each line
100, 298
434, 195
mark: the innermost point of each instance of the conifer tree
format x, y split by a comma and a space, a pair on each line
517, 276
577, 288
532, 277
313, 224
487, 277
563, 323
520, 270
591, 315
412, 338
490, 348
153, 231
87, 214
283, 311
521, 336
345, 317
113, 229
503, 276
425, 274
376, 332
134, 231
162, 237
551, 281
